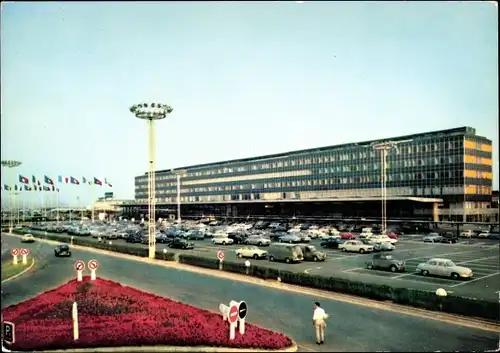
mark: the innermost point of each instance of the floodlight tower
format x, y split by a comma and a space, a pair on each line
151, 112
383, 147
11, 164
179, 173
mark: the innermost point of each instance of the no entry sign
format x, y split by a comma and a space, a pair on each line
233, 314
25, 251
14, 252
79, 265
93, 265
220, 255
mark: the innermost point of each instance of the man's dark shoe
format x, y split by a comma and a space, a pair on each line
322, 342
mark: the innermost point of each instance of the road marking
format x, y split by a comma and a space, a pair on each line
353, 269
480, 259
307, 270
318, 268
475, 279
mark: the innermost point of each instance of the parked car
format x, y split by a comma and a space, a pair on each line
443, 268
275, 236
304, 237
258, 240
393, 235
238, 237
290, 238
385, 262
310, 253
467, 234
180, 243
251, 251
383, 246
355, 246
222, 241
449, 237
347, 236
62, 250
432, 238
332, 243
195, 235
285, 252
28, 238
134, 238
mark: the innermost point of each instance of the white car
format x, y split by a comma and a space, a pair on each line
326, 236
251, 251
355, 246
484, 235
467, 234
383, 239
222, 240
28, 238
443, 268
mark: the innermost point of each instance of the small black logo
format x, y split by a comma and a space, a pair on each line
8, 332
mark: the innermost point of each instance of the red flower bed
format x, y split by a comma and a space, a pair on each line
112, 315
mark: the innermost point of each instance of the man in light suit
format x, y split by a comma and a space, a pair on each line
319, 324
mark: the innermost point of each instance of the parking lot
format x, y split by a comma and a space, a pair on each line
480, 255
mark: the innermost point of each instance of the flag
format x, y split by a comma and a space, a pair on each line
46, 188
57, 189
48, 180
27, 188
53, 188
6, 187
34, 188
107, 182
33, 179
23, 179
84, 180
38, 182
66, 180
74, 181
60, 179
97, 181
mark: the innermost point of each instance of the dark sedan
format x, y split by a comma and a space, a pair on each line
332, 243
62, 250
179, 243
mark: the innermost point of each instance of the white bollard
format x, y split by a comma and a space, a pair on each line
79, 276
232, 331
247, 266
74, 315
165, 251
15, 259
72, 237
110, 242
92, 275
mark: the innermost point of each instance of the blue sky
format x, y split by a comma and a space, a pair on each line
244, 79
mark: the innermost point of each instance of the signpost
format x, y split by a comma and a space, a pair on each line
24, 253
235, 314
9, 332
79, 267
220, 257
14, 253
233, 319
247, 266
242, 314
93, 265
74, 316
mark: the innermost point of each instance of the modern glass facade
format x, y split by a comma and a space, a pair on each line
454, 165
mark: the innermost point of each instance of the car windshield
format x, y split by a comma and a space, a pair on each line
449, 264
252, 248
388, 257
312, 248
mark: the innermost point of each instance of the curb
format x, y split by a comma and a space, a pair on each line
292, 348
20, 273
370, 303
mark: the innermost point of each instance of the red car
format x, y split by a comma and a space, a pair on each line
347, 236
393, 235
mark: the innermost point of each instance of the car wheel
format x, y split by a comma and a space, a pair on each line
223, 243
361, 251
291, 242
255, 256
240, 255
455, 275
344, 249
287, 260
425, 272
369, 266
393, 268
271, 258
315, 258
259, 244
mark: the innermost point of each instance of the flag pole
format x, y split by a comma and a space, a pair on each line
43, 203
22, 208
57, 209
92, 198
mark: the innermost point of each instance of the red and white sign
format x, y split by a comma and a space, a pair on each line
220, 255
233, 314
79, 265
25, 252
14, 252
93, 265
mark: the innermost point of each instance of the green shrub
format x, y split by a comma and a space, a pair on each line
199, 261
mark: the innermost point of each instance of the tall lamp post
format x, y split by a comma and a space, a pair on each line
179, 173
11, 164
151, 112
383, 148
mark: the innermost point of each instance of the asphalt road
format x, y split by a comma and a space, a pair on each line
481, 255
350, 328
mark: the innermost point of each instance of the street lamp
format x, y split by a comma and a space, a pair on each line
11, 165
383, 147
151, 112
179, 173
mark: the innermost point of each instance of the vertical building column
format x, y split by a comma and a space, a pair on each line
435, 212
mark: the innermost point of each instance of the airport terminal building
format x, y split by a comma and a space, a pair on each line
439, 175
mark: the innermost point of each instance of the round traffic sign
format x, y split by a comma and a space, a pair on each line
25, 251
220, 255
93, 264
233, 314
79, 265
15, 251
242, 310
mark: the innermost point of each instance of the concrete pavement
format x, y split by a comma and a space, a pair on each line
351, 327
